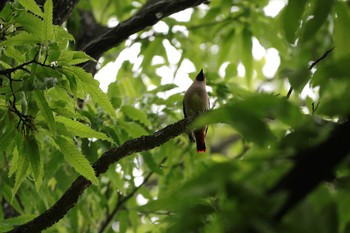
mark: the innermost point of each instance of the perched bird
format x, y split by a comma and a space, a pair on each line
196, 101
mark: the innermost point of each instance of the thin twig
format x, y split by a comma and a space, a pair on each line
310, 68
121, 202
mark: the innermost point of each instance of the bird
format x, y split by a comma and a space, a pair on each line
195, 102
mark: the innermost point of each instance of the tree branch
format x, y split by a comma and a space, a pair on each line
149, 15
71, 196
313, 166
121, 202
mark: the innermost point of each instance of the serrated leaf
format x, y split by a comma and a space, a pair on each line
48, 27
11, 52
70, 114
20, 39
99, 97
31, 149
32, 6
74, 57
45, 110
76, 159
81, 74
91, 86
133, 129
14, 162
136, 114
80, 57
62, 36
30, 22
22, 168
82, 130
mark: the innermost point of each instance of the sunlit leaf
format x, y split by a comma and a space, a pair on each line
81, 130
47, 18
20, 39
32, 6
76, 159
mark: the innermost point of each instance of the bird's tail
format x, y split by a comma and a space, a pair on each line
200, 139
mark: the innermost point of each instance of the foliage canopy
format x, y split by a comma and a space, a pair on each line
277, 143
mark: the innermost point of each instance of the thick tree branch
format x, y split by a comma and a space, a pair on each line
149, 15
313, 166
71, 196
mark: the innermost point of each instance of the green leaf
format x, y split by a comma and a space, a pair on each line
15, 221
31, 23
47, 18
291, 18
341, 29
123, 220
32, 6
320, 14
76, 159
99, 97
227, 45
31, 149
12, 52
6, 139
91, 86
80, 73
20, 39
45, 110
74, 57
151, 163
62, 36
338, 69
248, 116
21, 172
82, 130
299, 78
247, 56
64, 111
14, 162
133, 129
136, 114
164, 88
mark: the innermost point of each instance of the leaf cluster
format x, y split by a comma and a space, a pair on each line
264, 127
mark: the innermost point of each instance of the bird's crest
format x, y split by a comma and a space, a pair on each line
200, 76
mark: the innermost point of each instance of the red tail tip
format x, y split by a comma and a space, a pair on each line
201, 151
